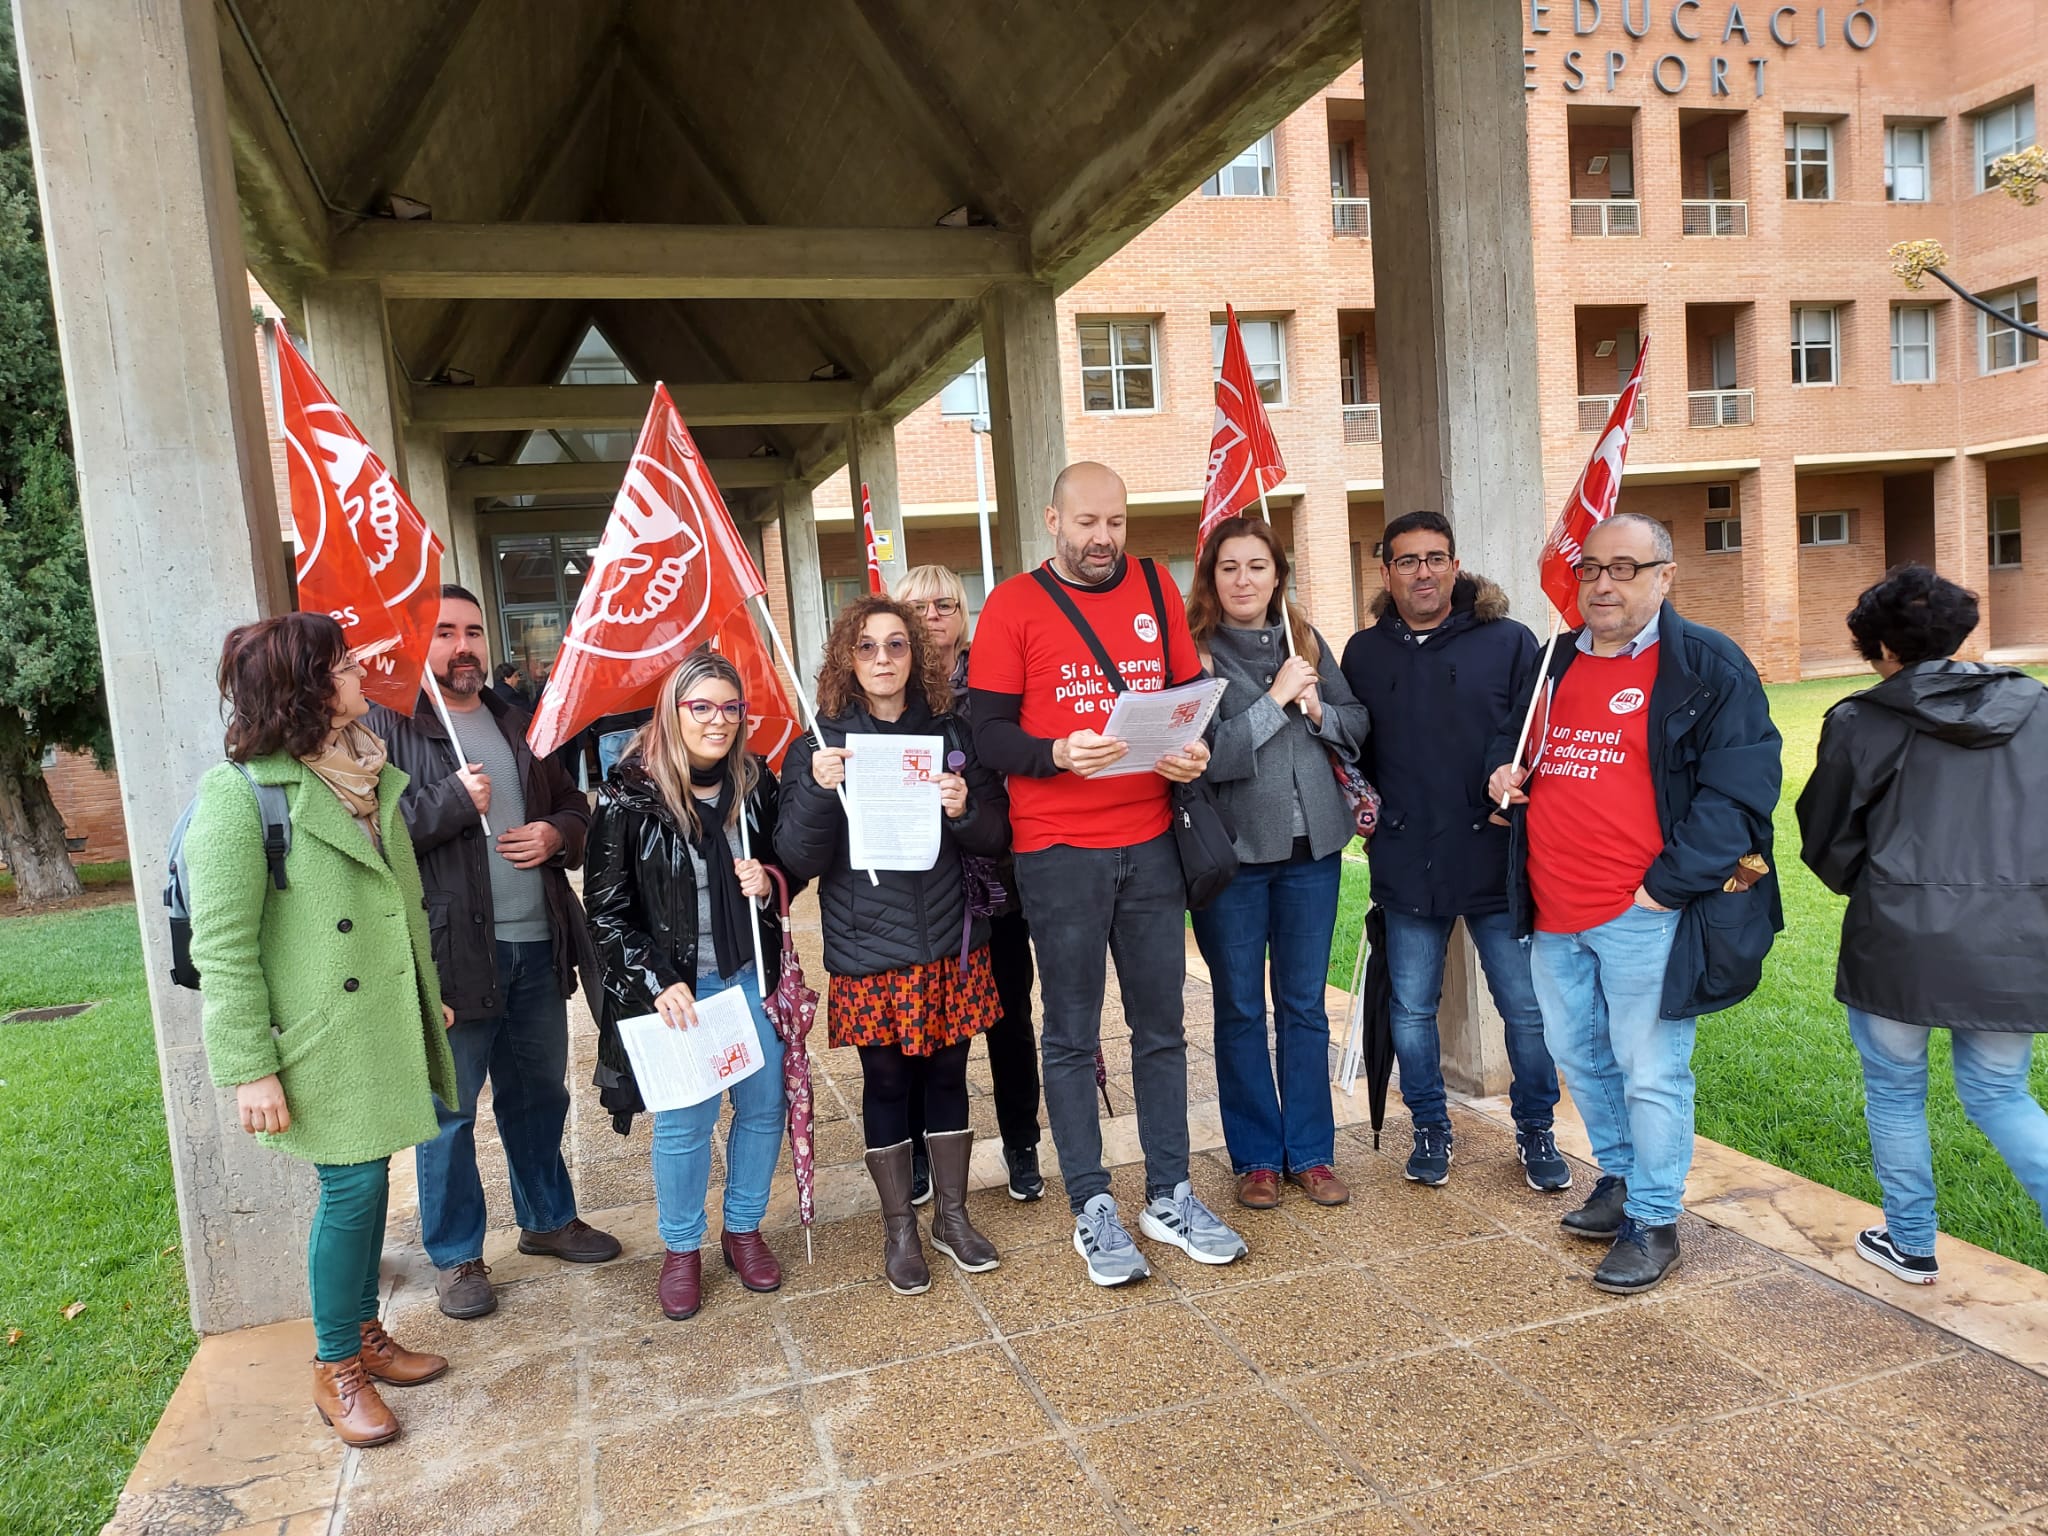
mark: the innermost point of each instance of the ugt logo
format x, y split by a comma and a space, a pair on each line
649, 566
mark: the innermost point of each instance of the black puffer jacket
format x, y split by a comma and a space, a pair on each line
910, 917
640, 890
1925, 809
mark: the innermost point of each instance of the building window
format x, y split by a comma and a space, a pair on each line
1249, 175
1720, 498
1119, 365
1913, 344
2001, 131
2004, 522
1815, 340
1265, 348
1822, 528
2004, 346
1724, 535
1809, 162
967, 395
1905, 164
540, 576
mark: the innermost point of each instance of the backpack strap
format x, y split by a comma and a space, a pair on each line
274, 806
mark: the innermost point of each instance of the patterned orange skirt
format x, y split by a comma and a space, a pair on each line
922, 1008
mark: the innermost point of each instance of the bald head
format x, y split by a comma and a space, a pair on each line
1086, 521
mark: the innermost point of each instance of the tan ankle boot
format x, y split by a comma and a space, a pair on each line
345, 1399
392, 1363
952, 1233
902, 1249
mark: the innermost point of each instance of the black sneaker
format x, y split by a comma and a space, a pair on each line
1640, 1258
1600, 1216
1875, 1246
920, 1177
1542, 1164
1430, 1162
1026, 1183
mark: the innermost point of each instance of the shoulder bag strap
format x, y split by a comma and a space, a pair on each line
1159, 611
1058, 594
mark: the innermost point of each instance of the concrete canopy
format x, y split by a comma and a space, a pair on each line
850, 128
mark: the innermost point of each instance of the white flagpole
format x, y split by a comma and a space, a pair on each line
1542, 677
1267, 517
454, 741
803, 701
753, 923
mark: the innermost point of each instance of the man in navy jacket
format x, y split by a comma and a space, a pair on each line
1439, 671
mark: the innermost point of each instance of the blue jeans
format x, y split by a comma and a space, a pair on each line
1991, 1079
1415, 968
525, 1053
753, 1144
1287, 909
1630, 1070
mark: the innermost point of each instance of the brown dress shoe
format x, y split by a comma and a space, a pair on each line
577, 1243
1258, 1190
392, 1363
747, 1255
345, 1399
952, 1233
1322, 1184
902, 1246
682, 1285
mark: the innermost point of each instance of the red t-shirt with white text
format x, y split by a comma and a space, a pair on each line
1024, 645
1592, 819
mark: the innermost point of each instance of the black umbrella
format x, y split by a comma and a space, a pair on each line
1371, 1035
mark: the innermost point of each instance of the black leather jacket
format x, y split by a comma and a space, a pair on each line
641, 892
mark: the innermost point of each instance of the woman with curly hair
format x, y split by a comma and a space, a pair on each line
911, 984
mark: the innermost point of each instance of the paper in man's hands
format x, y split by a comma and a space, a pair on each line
1162, 724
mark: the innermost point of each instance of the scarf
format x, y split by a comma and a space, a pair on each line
730, 911
349, 765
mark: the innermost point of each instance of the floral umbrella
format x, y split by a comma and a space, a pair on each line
793, 1007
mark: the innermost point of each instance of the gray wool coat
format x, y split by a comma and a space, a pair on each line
1266, 761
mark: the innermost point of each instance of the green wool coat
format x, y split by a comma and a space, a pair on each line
329, 983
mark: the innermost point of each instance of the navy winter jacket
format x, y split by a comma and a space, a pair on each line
1437, 703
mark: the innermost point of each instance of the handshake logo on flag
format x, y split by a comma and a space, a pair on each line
649, 562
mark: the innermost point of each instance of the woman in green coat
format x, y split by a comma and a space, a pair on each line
322, 1008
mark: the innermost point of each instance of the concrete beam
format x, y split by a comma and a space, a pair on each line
477, 480
284, 217
1027, 417
422, 259
621, 407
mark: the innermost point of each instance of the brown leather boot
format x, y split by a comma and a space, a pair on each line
392, 1363
952, 1233
345, 1399
902, 1249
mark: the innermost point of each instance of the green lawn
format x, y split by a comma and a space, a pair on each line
86, 1215
1778, 1077
93, 876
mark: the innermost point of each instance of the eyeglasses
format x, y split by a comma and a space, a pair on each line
704, 711
1588, 571
944, 607
898, 646
350, 667
1408, 565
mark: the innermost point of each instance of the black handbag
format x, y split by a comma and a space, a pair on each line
1202, 829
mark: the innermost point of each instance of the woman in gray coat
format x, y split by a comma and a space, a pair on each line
1285, 715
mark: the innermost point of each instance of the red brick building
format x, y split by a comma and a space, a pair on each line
1727, 188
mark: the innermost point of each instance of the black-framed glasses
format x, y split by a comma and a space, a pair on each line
704, 711
898, 646
944, 607
1589, 571
1408, 565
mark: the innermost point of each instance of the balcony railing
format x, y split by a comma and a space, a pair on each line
1362, 423
1351, 216
1710, 216
1595, 409
1720, 407
1593, 216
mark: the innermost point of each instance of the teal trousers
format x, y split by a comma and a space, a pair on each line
342, 1254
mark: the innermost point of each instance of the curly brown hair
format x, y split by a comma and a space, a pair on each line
839, 686
276, 677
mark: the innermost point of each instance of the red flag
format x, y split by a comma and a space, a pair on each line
1244, 460
1592, 499
366, 556
867, 524
669, 568
772, 722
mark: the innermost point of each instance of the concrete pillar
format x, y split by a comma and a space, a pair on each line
426, 482
1020, 337
1962, 551
147, 270
1470, 1030
350, 344
871, 461
1454, 274
807, 614
1770, 568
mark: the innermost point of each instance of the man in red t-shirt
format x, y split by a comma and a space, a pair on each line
1097, 865
1654, 769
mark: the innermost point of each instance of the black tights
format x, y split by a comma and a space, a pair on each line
889, 1079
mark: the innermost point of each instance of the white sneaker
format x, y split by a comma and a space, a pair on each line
1182, 1220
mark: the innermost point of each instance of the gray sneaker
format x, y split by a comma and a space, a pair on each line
1182, 1220
1100, 1238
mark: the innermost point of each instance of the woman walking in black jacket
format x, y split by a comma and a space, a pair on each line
911, 983
670, 894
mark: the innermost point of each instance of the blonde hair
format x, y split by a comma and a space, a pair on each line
660, 741
922, 582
